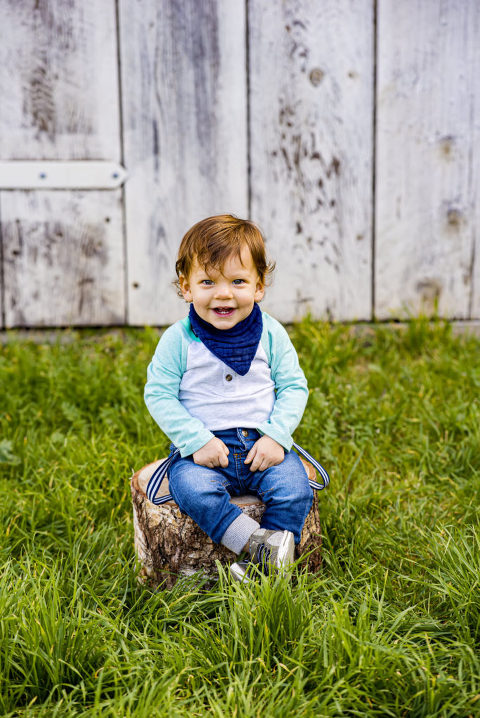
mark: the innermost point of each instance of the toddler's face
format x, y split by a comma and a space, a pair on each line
224, 298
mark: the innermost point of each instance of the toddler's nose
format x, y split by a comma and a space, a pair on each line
224, 291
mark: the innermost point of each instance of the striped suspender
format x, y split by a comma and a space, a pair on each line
318, 467
156, 481
160, 472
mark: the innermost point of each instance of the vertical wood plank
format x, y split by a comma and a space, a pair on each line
59, 88
2, 272
474, 163
311, 79
184, 107
428, 125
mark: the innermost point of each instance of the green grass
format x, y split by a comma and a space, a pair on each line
391, 625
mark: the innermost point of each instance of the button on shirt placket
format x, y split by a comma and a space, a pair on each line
228, 378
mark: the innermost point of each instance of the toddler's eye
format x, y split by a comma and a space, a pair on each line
238, 281
208, 282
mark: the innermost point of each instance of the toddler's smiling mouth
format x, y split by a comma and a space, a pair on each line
224, 311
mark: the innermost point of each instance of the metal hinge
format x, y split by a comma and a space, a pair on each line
58, 174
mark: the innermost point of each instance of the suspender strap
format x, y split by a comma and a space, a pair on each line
160, 472
156, 479
318, 467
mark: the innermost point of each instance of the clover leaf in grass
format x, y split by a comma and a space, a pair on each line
6, 453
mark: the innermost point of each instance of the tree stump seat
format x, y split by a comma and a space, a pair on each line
169, 544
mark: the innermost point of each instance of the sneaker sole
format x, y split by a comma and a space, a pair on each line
238, 573
286, 551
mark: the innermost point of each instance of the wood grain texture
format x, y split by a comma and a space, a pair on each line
2, 283
169, 544
184, 90
63, 258
428, 124
311, 109
59, 80
2, 273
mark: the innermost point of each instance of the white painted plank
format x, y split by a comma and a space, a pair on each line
63, 258
474, 165
60, 101
426, 176
311, 79
2, 283
184, 108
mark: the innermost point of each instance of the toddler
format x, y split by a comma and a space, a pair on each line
226, 387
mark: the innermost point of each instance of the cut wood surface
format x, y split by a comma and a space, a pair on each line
169, 544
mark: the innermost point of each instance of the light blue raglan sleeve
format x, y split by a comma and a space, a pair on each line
290, 384
164, 375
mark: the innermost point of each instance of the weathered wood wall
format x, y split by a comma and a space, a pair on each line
347, 129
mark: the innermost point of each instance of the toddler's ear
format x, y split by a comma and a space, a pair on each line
259, 291
185, 288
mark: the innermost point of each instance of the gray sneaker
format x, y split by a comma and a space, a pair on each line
270, 551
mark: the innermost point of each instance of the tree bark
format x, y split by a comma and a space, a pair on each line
169, 544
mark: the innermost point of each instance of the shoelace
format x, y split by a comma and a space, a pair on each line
263, 557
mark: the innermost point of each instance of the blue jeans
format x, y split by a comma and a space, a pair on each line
204, 494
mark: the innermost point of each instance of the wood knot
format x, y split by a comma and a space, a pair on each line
446, 145
454, 217
430, 291
316, 76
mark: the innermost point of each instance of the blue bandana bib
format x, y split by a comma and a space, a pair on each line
237, 346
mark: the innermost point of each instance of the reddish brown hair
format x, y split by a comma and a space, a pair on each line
213, 240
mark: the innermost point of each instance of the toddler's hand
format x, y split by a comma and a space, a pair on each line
264, 453
213, 453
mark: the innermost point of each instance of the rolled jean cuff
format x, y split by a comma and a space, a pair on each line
238, 533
